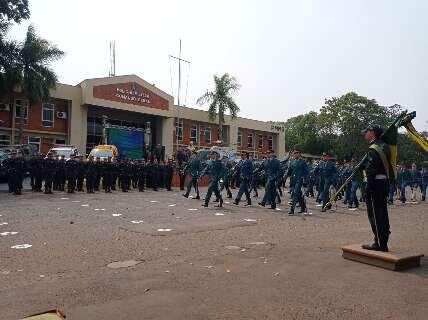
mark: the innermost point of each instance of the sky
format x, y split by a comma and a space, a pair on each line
288, 56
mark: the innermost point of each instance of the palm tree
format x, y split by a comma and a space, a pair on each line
36, 75
221, 100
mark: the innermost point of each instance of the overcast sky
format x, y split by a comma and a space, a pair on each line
287, 55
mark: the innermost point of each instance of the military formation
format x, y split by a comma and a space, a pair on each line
317, 179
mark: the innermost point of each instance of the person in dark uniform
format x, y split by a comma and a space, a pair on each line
15, 166
156, 174
60, 174
328, 176
114, 174
246, 172
194, 168
32, 168
37, 167
168, 174
71, 167
91, 171
107, 175
215, 170
227, 178
98, 173
123, 175
271, 166
299, 172
80, 173
49, 171
378, 171
141, 167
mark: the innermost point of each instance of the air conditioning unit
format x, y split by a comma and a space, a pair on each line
4, 106
61, 115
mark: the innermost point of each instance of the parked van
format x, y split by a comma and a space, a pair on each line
104, 151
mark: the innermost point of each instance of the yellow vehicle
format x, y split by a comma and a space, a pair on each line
104, 151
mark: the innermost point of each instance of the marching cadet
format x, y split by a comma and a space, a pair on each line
215, 170
246, 172
405, 179
168, 172
271, 166
415, 181
328, 175
141, 168
255, 177
49, 172
194, 167
71, 173
424, 177
227, 177
311, 180
299, 171
346, 173
356, 182
91, 172
80, 173
317, 171
378, 170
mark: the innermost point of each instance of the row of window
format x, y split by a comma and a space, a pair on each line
206, 132
5, 140
48, 113
250, 140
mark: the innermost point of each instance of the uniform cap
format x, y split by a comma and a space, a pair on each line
377, 129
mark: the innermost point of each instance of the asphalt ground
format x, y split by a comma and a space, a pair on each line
196, 263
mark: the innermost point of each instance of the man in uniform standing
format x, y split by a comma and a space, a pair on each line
168, 172
80, 173
378, 171
49, 171
71, 167
246, 175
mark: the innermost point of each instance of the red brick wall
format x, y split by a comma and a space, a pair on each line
122, 92
35, 117
187, 124
255, 148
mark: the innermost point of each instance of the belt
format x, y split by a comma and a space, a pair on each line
380, 176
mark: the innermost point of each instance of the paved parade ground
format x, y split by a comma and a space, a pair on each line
183, 261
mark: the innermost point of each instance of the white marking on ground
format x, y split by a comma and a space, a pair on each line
85, 205
164, 230
319, 205
250, 220
154, 201
3, 223
75, 201
65, 198
137, 221
100, 209
192, 209
21, 246
219, 214
8, 233
172, 205
116, 214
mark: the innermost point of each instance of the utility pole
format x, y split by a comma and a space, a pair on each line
179, 59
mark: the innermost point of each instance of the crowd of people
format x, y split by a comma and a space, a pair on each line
306, 179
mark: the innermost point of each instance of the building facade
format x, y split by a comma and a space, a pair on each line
76, 115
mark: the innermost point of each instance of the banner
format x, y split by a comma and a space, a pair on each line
129, 143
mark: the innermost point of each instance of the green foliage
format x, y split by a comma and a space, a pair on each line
14, 10
337, 128
221, 100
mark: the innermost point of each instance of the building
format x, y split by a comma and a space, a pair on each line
74, 115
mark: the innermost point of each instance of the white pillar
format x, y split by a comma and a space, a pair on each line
167, 135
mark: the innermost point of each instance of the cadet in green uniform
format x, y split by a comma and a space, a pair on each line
378, 170
215, 169
299, 171
356, 182
194, 167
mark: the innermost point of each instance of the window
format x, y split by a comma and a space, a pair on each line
239, 142
4, 139
21, 116
207, 135
260, 141
270, 139
250, 140
60, 141
48, 115
179, 129
194, 134
35, 141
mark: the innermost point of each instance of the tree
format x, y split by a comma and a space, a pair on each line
342, 119
36, 75
221, 100
16, 11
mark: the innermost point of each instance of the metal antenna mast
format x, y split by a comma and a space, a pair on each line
112, 71
179, 59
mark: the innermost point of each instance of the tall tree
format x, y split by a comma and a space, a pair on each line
10, 11
221, 100
37, 77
